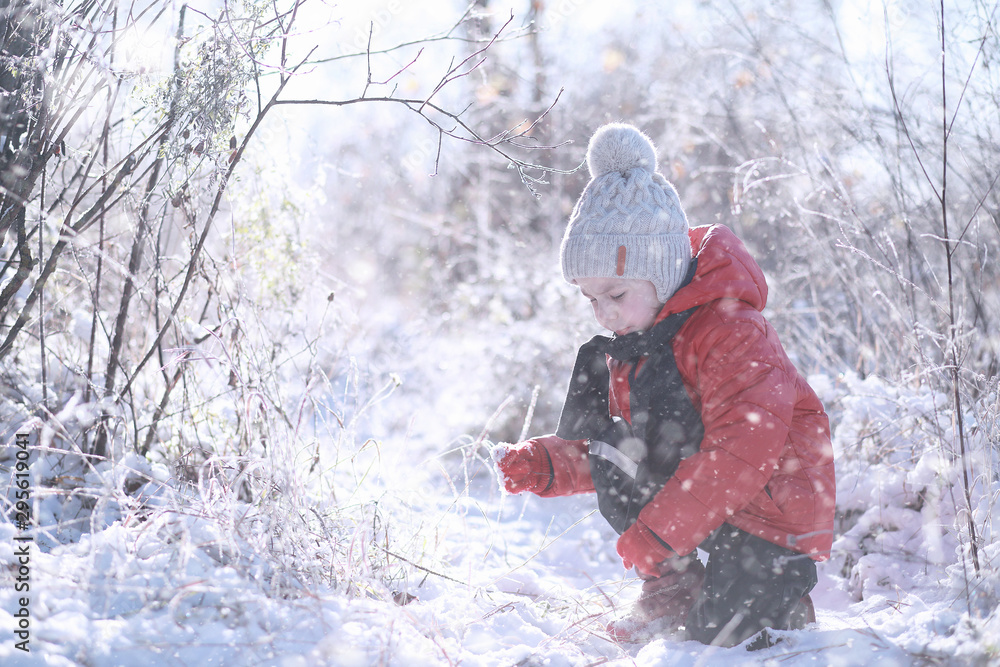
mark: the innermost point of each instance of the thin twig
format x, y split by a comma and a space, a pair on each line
952, 322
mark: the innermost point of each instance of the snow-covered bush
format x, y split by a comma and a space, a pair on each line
902, 511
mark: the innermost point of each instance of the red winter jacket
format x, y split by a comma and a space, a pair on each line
766, 463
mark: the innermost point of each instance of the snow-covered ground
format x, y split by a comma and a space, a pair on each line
428, 563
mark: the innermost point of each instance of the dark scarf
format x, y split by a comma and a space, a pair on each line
665, 426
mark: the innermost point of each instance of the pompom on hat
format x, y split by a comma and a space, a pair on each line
628, 223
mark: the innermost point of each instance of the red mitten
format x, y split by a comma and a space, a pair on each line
526, 467
639, 547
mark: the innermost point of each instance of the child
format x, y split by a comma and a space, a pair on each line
690, 422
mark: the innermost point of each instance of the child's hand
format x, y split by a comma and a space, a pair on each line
524, 467
639, 547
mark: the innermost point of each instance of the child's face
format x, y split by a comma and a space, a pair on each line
622, 305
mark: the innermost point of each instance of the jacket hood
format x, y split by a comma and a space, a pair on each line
725, 270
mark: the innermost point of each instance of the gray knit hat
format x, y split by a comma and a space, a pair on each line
628, 222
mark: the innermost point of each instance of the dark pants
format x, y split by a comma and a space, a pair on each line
750, 584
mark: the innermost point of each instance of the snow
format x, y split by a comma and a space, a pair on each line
160, 575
